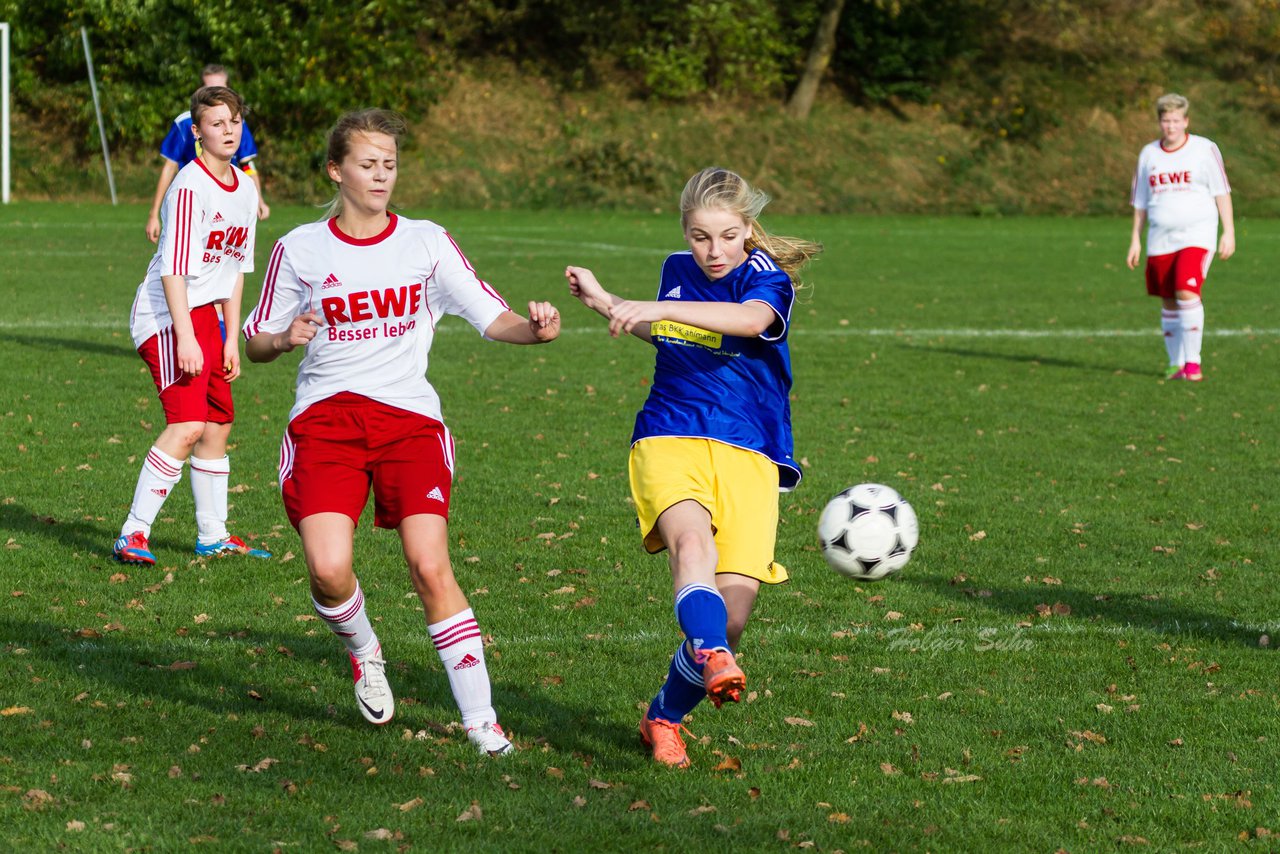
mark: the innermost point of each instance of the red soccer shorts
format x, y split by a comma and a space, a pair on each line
338, 447
1184, 270
186, 398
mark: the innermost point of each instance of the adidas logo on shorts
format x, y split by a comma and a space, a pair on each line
468, 660
435, 494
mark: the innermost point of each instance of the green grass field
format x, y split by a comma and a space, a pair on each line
1081, 654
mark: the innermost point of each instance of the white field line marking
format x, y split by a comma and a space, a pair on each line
904, 636
113, 322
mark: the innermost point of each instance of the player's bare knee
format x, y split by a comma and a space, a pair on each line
432, 576
692, 549
332, 580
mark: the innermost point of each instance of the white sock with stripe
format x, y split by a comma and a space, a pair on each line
1191, 318
209, 489
1171, 325
461, 649
350, 622
160, 474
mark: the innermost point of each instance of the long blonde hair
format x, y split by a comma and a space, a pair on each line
368, 121
716, 188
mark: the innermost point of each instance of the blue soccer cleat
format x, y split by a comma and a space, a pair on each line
232, 545
133, 548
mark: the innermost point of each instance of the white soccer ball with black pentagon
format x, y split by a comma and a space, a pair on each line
868, 532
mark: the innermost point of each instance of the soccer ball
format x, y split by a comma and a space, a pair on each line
868, 532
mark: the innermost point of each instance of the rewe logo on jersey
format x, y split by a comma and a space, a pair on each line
331, 281
674, 293
366, 305
1170, 178
468, 660
234, 237
435, 494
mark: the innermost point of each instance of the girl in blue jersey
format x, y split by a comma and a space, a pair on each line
712, 445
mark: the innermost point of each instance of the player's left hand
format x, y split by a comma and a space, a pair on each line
544, 321
231, 360
1227, 246
263, 210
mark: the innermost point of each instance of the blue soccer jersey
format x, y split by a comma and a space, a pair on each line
724, 387
179, 144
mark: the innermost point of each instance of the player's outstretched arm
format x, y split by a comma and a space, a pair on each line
584, 286
542, 325
267, 346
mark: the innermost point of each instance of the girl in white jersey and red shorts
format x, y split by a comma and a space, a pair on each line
206, 246
1180, 188
363, 291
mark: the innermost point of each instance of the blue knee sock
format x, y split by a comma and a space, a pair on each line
702, 615
682, 690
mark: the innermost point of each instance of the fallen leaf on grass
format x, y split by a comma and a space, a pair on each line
888, 769
410, 805
638, 805
471, 813
599, 784
36, 799
75, 826
961, 778
702, 810
729, 763
798, 721
379, 833
15, 710
262, 765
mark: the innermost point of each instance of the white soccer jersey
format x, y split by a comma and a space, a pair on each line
1177, 189
380, 299
207, 236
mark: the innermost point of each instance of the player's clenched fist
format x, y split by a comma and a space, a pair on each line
301, 331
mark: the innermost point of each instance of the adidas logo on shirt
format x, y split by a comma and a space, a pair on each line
468, 660
217, 218
674, 293
435, 494
331, 281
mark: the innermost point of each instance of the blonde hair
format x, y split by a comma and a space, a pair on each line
368, 121
1169, 103
716, 188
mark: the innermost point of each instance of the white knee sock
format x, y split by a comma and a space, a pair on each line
1171, 324
350, 622
1191, 317
160, 474
209, 488
461, 649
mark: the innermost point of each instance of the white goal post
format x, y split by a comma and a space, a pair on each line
4, 113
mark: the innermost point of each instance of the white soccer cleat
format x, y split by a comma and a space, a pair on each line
373, 692
489, 738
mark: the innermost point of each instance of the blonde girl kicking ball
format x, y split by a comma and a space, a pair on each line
363, 291
712, 445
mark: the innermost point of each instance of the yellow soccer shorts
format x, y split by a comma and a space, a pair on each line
739, 488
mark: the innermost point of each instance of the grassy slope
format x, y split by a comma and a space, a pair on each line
501, 140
